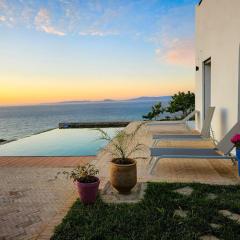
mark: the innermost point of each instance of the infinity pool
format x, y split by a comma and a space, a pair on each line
58, 142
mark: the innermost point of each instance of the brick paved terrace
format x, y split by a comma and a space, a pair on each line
33, 201
31, 198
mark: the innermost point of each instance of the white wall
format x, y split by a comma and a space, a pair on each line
218, 37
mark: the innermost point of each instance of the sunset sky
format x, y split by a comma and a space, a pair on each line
60, 50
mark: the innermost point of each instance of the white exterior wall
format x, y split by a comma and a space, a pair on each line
218, 37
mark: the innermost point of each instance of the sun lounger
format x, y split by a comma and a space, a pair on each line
183, 121
222, 150
205, 132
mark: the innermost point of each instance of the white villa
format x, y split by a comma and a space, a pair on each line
218, 63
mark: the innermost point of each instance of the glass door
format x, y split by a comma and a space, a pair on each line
206, 86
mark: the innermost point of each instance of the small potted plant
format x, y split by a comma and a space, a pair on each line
236, 141
86, 181
123, 170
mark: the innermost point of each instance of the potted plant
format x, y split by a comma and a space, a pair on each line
86, 181
123, 170
236, 141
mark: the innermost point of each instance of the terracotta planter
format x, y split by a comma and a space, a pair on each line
123, 177
88, 191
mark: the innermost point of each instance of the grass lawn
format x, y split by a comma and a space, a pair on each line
154, 217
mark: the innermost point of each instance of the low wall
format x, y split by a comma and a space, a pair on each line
92, 124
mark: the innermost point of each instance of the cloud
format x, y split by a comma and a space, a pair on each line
52, 30
3, 5
174, 40
138, 20
2, 18
179, 52
98, 33
86, 18
43, 23
6, 12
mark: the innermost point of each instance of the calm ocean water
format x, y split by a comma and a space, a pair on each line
17, 122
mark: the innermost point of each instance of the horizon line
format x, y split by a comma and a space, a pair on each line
79, 101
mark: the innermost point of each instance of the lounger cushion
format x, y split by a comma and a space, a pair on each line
184, 137
159, 123
157, 152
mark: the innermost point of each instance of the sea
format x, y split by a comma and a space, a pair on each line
21, 121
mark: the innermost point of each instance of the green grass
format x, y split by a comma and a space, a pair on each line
154, 218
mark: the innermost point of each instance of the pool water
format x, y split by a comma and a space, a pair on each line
58, 142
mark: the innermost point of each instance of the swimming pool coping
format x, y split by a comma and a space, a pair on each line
48, 162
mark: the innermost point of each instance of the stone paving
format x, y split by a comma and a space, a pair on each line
211, 196
232, 216
180, 213
186, 191
110, 195
215, 226
208, 237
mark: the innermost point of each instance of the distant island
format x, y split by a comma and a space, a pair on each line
144, 98
160, 98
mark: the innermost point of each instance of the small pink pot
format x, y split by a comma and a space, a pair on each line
88, 191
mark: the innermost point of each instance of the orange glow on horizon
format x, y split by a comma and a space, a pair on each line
19, 91
29, 97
